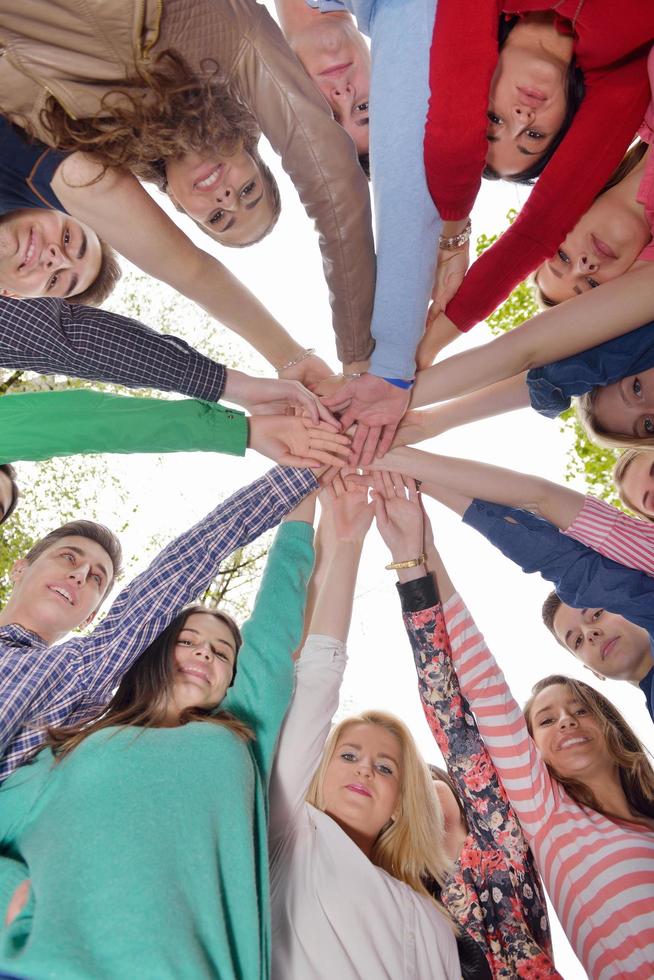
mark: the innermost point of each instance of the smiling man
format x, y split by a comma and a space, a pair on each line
60, 585
43, 250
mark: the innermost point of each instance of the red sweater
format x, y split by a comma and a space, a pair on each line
611, 44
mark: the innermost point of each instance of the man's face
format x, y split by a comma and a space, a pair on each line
61, 589
606, 643
46, 253
336, 57
6, 495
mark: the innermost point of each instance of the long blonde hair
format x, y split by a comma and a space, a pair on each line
410, 847
620, 471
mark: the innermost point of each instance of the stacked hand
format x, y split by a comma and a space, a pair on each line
377, 407
272, 396
294, 441
309, 371
346, 512
399, 514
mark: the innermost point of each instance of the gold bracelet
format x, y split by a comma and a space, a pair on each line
412, 563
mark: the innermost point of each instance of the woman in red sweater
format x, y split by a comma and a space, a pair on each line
515, 100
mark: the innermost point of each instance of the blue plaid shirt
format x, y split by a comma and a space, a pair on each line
50, 336
67, 683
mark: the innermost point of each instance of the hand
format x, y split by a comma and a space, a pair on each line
346, 512
18, 901
440, 332
377, 406
264, 396
450, 273
399, 514
309, 371
329, 386
293, 441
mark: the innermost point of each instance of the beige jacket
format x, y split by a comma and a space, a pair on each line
78, 50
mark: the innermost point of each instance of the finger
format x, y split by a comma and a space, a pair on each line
327, 479
398, 485
309, 404
328, 432
381, 515
341, 397
412, 488
325, 414
360, 479
386, 440
371, 445
328, 458
389, 489
330, 447
339, 486
358, 442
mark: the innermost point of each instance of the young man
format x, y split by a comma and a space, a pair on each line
605, 614
61, 583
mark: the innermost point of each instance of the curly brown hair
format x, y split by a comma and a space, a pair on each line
174, 113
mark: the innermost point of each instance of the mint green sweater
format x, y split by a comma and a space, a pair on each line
147, 849
40, 425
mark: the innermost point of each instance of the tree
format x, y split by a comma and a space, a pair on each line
586, 460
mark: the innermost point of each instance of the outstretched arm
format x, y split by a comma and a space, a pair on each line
153, 242
468, 479
599, 315
346, 517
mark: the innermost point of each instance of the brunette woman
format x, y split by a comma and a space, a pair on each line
126, 105
162, 802
517, 111
355, 824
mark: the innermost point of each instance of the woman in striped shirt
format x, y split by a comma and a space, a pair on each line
583, 789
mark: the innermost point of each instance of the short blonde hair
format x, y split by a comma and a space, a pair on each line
410, 847
620, 471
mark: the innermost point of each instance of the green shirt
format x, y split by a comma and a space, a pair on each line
39, 425
147, 849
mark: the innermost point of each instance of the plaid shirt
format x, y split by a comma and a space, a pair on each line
71, 681
50, 336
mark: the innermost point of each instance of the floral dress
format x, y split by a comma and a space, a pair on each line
494, 892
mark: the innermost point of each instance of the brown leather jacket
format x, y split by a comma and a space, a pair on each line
78, 50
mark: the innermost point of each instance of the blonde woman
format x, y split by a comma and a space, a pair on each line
355, 824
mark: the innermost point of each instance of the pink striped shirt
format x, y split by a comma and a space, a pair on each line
629, 540
599, 873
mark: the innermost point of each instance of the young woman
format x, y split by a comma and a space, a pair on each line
517, 106
615, 232
633, 475
9, 492
250, 82
494, 891
355, 824
162, 802
582, 787
40, 425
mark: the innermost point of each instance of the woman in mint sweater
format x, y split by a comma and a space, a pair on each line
144, 832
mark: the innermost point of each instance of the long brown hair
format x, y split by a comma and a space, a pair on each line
174, 113
627, 752
139, 699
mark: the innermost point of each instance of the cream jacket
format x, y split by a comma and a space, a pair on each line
78, 50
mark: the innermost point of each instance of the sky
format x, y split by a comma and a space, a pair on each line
171, 493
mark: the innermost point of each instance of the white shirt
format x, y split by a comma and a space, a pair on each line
334, 913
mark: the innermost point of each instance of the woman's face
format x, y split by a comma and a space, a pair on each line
363, 780
638, 483
227, 195
627, 407
603, 245
526, 108
567, 736
204, 654
46, 253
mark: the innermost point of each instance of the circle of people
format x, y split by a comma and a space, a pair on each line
174, 803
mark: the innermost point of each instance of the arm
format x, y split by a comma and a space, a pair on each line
406, 237
264, 679
471, 479
320, 158
505, 396
153, 242
599, 315
556, 203
319, 670
40, 425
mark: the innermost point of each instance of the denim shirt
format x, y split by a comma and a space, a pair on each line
552, 386
581, 577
